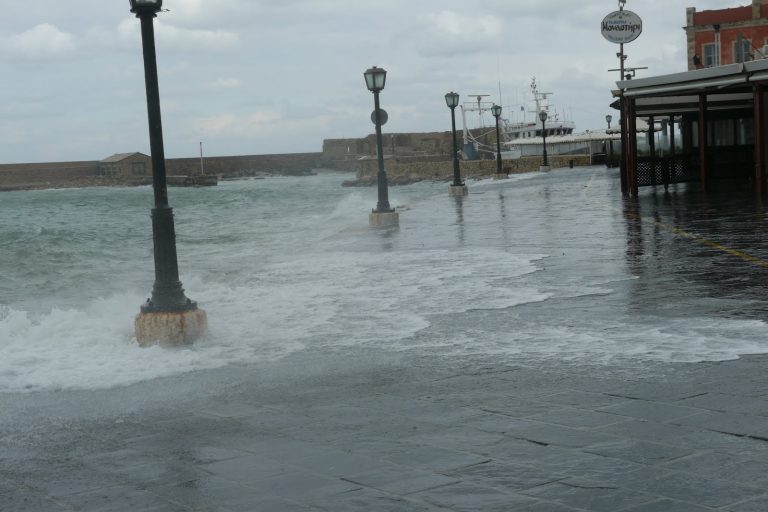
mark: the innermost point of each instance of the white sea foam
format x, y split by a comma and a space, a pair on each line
335, 299
322, 299
643, 338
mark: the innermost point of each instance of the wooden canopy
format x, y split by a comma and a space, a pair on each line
720, 117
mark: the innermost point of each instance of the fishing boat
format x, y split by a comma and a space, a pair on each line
480, 141
530, 125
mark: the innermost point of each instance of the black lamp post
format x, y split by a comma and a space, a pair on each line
496, 111
543, 117
452, 100
375, 78
167, 292
608, 119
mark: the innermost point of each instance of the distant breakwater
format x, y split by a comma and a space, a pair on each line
30, 176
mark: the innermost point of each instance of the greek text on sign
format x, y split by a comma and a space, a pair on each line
622, 27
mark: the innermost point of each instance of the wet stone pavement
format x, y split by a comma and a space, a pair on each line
375, 430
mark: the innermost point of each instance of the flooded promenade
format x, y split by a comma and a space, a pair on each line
540, 345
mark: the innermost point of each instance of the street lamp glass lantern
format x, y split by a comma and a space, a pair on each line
608, 118
146, 5
452, 99
543, 115
375, 78
496, 110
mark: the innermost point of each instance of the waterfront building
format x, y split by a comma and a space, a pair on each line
706, 124
727, 36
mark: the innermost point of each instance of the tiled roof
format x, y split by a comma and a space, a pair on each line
117, 157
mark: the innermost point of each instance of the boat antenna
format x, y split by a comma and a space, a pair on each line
498, 72
478, 97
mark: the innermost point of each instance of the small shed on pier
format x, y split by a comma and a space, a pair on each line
126, 165
705, 125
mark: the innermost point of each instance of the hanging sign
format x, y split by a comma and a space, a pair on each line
621, 27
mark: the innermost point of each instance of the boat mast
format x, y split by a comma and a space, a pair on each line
469, 137
479, 98
464, 126
498, 72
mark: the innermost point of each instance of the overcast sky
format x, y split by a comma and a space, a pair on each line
279, 76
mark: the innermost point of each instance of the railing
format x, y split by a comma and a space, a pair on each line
665, 170
723, 163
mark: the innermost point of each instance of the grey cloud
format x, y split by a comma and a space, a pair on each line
41, 42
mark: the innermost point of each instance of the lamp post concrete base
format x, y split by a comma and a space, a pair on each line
170, 329
458, 190
383, 219
545, 168
501, 176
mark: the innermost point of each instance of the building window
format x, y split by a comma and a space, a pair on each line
721, 132
743, 53
138, 168
711, 53
745, 132
762, 53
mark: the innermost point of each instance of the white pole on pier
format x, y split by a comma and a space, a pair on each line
202, 171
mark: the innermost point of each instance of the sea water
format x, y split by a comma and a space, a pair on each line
521, 270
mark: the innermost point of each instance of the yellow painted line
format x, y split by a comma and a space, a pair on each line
704, 241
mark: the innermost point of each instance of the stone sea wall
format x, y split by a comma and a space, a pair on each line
248, 165
404, 172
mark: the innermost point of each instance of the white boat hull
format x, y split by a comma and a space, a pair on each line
511, 154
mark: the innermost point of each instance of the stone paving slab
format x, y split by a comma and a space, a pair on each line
641, 452
736, 467
589, 495
728, 403
120, 498
573, 417
698, 490
575, 463
650, 411
283, 453
582, 399
26, 499
471, 497
507, 476
756, 505
400, 480
373, 501
651, 431
739, 424
434, 457
667, 506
